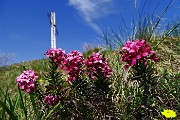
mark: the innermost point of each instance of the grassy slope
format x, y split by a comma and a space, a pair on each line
8, 74
168, 52
124, 90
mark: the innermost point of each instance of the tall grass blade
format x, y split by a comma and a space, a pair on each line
11, 114
16, 103
5, 96
22, 103
52, 111
11, 106
34, 106
10, 103
160, 17
126, 28
167, 34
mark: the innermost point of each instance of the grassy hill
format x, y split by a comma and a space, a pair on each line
168, 52
168, 69
8, 74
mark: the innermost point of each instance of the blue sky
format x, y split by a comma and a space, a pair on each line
25, 27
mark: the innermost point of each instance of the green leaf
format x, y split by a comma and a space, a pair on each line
15, 103
11, 114
53, 110
34, 106
22, 103
5, 96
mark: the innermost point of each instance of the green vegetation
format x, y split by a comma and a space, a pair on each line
141, 92
8, 74
125, 91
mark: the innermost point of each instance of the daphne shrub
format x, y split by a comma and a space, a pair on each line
26, 81
73, 64
137, 50
97, 65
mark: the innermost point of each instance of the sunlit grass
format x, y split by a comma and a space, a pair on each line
127, 94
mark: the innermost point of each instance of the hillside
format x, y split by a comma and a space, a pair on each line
168, 52
124, 87
8, 74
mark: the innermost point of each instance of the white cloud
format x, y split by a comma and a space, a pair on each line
91, 10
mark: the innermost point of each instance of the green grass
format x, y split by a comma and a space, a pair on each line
8, 74
127, 93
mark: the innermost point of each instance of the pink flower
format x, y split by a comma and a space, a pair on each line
137, 50
51, 100
97, 65
73, 64
58, 55
26, 81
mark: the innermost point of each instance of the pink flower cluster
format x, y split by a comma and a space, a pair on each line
96, 65
51, 100
58, 55
136, 50
26, 81
73, 64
